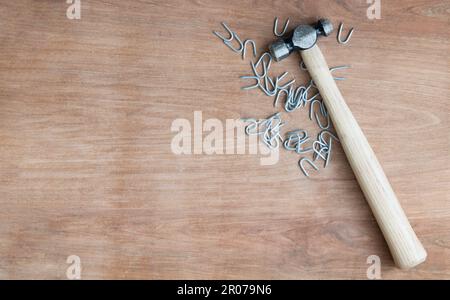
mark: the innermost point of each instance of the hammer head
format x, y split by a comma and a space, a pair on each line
302, 38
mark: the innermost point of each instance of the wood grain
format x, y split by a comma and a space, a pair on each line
86, 167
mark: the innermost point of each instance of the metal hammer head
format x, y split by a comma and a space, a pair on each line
302, 38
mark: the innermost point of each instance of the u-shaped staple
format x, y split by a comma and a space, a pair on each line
349, 35
230, 32
250, 87
324, 112
275, 28
241, 45
339, 68
244, 51
300, 163
311, 107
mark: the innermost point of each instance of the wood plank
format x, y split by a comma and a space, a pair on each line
86, 167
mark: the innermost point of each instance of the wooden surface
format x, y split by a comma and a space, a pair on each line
86, 167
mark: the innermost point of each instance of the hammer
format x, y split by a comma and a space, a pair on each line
402, 241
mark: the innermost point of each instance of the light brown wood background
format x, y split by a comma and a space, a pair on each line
86, 166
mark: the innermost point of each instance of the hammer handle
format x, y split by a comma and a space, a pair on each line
403, 243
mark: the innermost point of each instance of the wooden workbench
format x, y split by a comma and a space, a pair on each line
86, 166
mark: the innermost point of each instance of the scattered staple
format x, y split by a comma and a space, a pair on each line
349, 35
230, 32
275, 27
241, 45
324, 113
339, 68
251, 42
250, 87
300, 163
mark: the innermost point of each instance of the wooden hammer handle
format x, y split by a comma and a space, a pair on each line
405, 247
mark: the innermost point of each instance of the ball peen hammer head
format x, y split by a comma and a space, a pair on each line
302, 38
